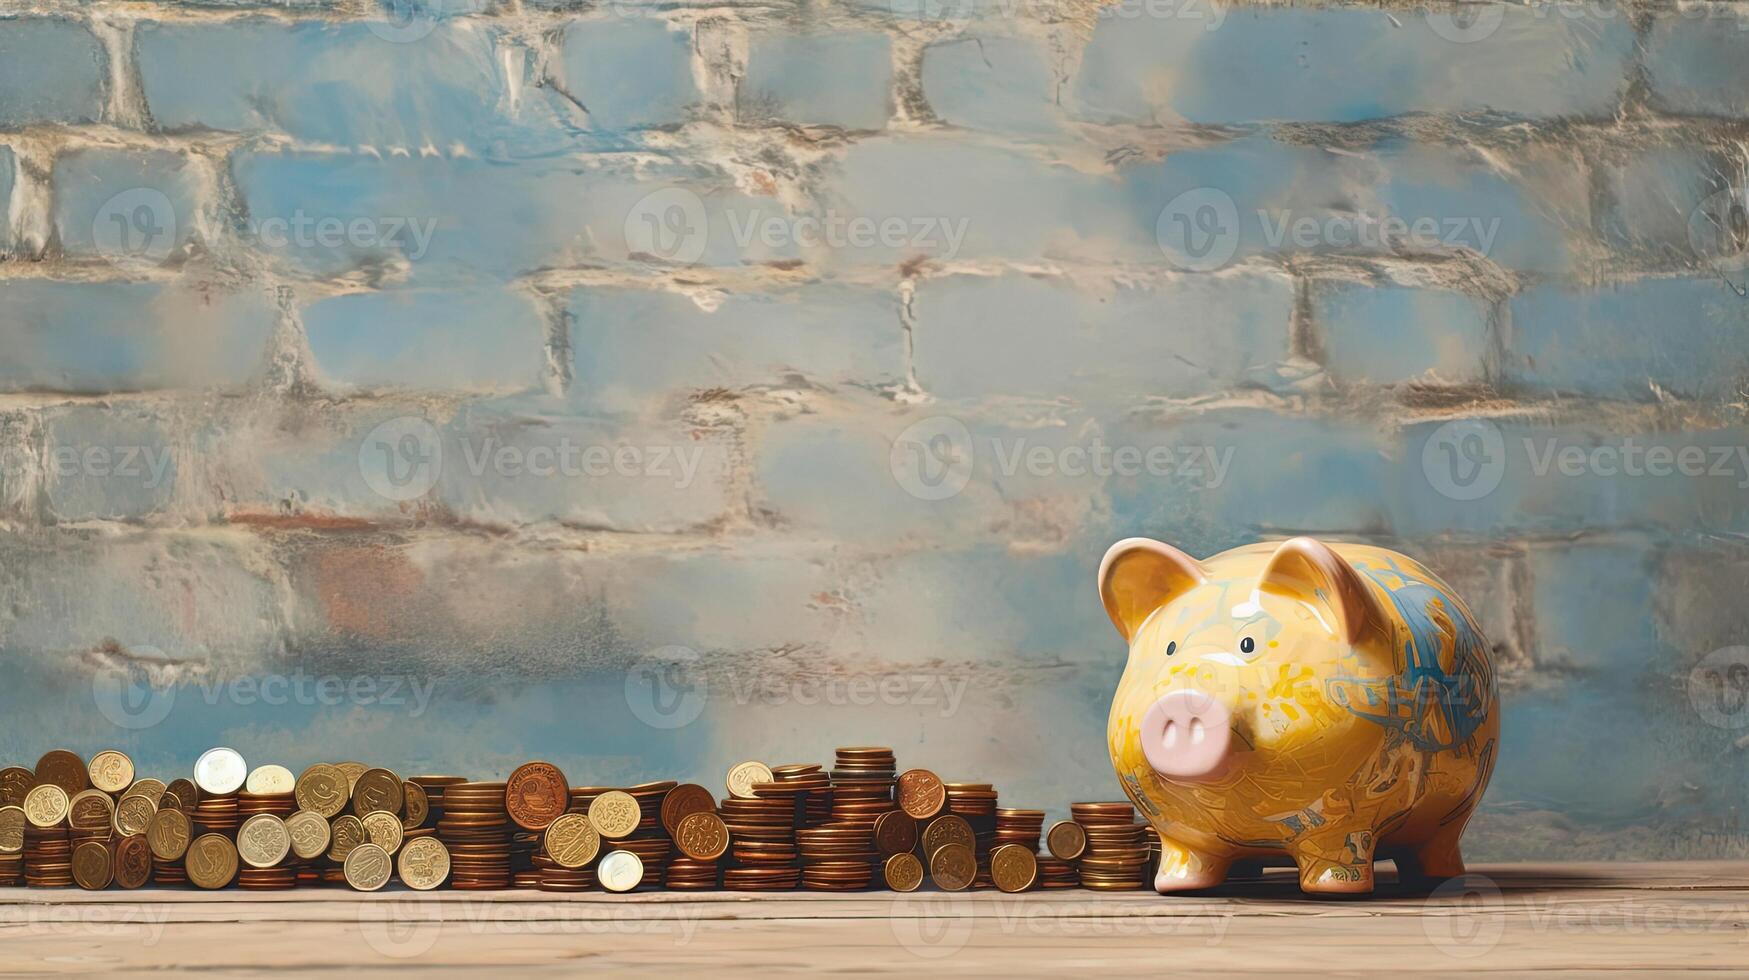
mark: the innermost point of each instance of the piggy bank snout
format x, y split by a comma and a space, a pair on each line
1187, 735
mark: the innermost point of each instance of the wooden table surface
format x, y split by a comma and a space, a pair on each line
1617, 918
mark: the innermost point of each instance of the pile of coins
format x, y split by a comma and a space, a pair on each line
860, 824
1117, 848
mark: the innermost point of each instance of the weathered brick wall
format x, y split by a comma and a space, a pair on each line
451, 384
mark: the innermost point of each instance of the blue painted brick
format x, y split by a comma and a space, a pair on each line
1658, 201
630, 72
7, 175
637, 349
1698, 60
104, 337
1348, 65
839, 79
1393, 334
125, 205
1026, 337
51, 71
119, 463
477, 339
992, 83
1683, 335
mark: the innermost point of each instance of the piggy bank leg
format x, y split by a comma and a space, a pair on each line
1436, 860
1183, 869
1335, 864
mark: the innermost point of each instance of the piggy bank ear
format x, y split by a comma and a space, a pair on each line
1140, 575
1307, 570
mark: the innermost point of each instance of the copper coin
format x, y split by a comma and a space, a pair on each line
1013, 867
684, 800
168, 835
211, 861
702, 836
92, 867
133, 861
61, 768
535, 795
1066, 840
374, 790
415, 805
15, 781
921, 793
947, 829
895, 832
953, 866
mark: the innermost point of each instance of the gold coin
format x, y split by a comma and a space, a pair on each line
947, 829
572, 841
367, 867
263, 841
1013, 867
211, 861
183, 793
415, 806
743, 776
1066, 840
168, 834
134, 814
383, 829
903, 872
615, 814
269, 780
61, 768
351, 770
91, 810
323, 789
46, 805
133, 861
15, 782
376, 789
11, 829
345, 833
110, 771
153, 789
309, 833
424, 863
953, 866
702, 836
92, 866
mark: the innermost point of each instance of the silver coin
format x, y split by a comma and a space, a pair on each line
270, 779
220, 771
620, 871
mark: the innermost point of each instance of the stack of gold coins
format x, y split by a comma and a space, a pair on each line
434, 787
836, 858
90, 817
762, 833
976, 804
12, 824
48, 856
1021, 827
862, 785
1066, 841
812, 788
686, 875
683, 871
476, 830
1117, 846
523, 872
281, 805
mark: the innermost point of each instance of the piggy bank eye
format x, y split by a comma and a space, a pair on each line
1171, 648
1247, 645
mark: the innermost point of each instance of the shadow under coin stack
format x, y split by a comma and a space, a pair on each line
476, 830
284, 874
650, 842
762, 840
1117, 846
975, 803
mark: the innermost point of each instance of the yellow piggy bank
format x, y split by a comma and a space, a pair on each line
1335, 703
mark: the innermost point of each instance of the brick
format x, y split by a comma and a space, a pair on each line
629, 72
839, 79
479, 339
1395, 334
124, 205
350, 84
980, 338
1205, 65
108, 337
1526, 478
50, 72
117, 464
992, 83
8, 174
1698, 60
1681, 335
444, 220
1658, 202
637, 349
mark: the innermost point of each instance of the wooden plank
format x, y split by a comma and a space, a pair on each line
1622, 918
